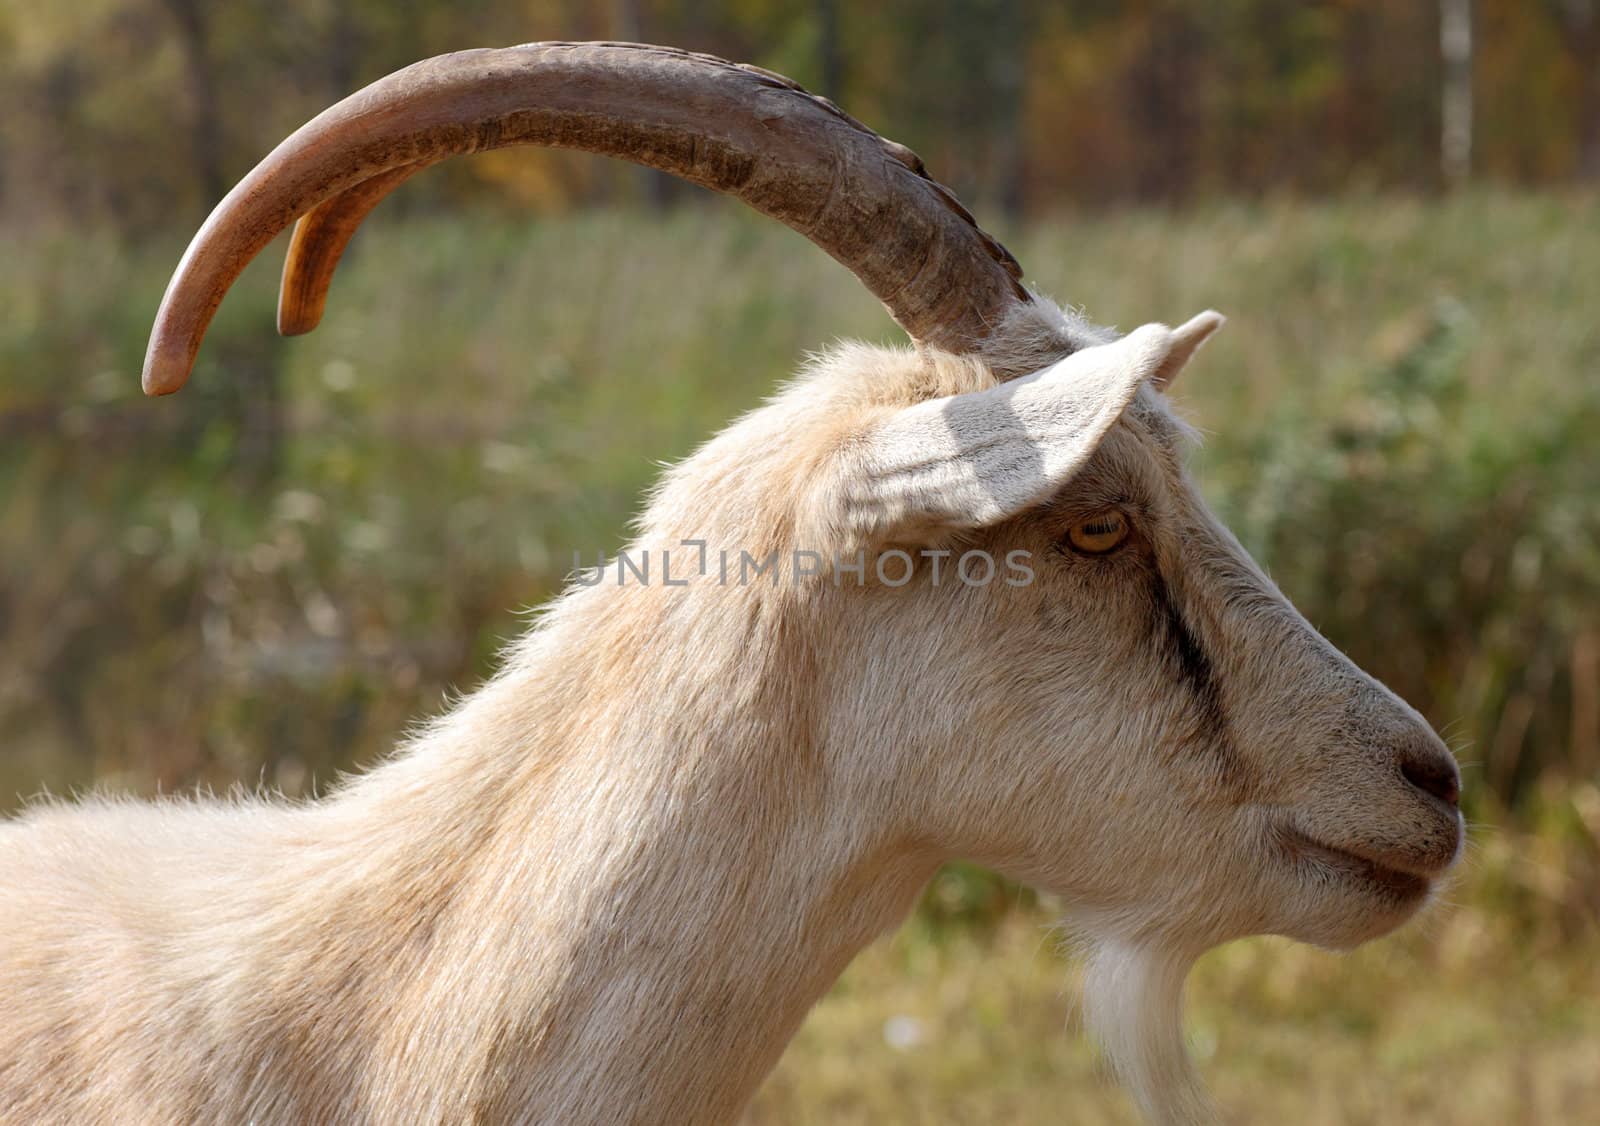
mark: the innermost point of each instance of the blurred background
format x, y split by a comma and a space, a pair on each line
267, 579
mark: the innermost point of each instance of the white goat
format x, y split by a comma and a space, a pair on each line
954, 601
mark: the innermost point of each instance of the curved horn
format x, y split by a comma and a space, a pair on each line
319, 239
736, 129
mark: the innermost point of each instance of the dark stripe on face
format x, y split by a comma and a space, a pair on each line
1192, 664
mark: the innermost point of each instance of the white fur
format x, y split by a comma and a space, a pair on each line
1133, 1003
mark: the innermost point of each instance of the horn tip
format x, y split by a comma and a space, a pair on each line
165, 370
295, 319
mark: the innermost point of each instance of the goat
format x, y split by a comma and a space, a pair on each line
953, 600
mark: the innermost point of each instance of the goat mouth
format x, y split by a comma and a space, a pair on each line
1394, 882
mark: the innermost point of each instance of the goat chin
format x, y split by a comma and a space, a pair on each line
1133, 1006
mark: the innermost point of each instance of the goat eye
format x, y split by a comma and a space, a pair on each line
1100, 533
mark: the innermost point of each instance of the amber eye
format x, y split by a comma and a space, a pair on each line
1100, 533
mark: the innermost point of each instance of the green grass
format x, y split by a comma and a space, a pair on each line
266, 579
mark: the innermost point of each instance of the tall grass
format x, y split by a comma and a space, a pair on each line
266, 579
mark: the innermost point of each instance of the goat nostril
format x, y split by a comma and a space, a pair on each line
1435, 775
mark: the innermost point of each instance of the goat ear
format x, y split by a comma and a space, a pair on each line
969, 460
1186, 341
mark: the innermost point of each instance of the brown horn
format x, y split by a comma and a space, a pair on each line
736, 129
318, 242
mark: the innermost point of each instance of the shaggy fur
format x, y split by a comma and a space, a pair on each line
608, 886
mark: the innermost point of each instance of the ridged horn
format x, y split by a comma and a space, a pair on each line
736, 129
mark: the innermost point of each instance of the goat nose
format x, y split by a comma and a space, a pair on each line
1431, 769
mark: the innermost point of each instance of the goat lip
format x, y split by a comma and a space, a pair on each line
1395, 880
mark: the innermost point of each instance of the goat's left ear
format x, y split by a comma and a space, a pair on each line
1186, 341
974, 459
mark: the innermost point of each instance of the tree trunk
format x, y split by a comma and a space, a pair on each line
1455, 103
1580, 21
830, 60
1589, 120
205, 121
1163, 108
1584, 44
342, 49
1007, 73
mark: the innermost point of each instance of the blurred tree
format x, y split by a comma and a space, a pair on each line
947, 77
1455, 134
1163, 95
1580, 21
191, 20
830, 57
1019, 104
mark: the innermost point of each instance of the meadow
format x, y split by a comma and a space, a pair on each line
266, 579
